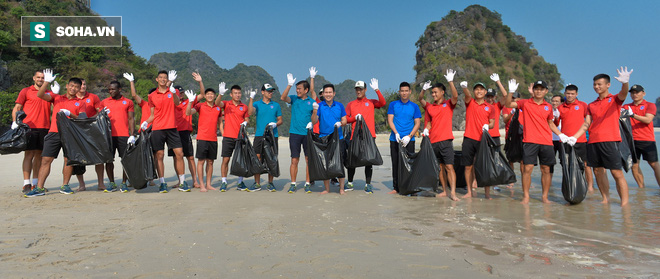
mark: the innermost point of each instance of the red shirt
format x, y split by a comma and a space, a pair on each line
207, 125
92, 103
366, 108
183, 121
572, 118
497, 108
74, 105
536, 129
506, 110
163, 104
146, 111
234, 116
604, 119
119, 110
476, 115
441, 117
641, 131
37, 111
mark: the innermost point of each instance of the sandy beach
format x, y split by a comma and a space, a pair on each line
144, 234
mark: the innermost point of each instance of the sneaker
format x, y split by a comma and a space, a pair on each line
123, 188
348, 186
368, 189
27, 188
308, 188
162, 188
223, 187
111, 187
271, 187
184, 187
292, 188
241, 187
35, 192
254, 187
64, 189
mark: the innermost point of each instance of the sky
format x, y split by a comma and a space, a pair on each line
363, 39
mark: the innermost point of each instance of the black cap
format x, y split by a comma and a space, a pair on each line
178, 87
267, 87
541, 83
636, 88
490, 92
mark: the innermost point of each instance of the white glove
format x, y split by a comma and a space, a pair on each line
309, 126
144, 125
405, 140
426, 132
397, 137
312, 72
191, 95
555, 113
48, 75
630, 111
358, 116
222, 89
624, 75
252, 93
273, 124
131, 140
244, 123
172, 89
338, 124
513, 86
171, 75
495, 77
55, 87
564, 138
129, 77
374, 84
426, 85
14, 125
463, 84
513, 110
290, 79
315, 105
485, 127
107, 110
571, 141
66, 112
450, 75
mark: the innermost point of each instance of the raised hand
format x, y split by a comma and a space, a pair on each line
463, 84
513, 86
290, 79
172, 89
191, 95
495, 77
171, 75
426, 85
374, 84
222, 89
55, 87
624, 75
197, 77
129, 77
450, 75
252, 93
312, 72
48, 75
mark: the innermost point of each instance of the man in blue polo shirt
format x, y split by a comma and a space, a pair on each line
330, 114
269, 113
404, 118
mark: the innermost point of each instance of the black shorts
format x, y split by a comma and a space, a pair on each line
228, 145
35, 139
159, 137
258, 144
207, 150
186, 144
294, 144
119, 144
444, 151
52, 145
647, 149
556, 145
469, 151
581, 150
604, 155
544, 153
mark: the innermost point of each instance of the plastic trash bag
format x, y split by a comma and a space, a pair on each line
459, 169
138, 161
362, 149
513, 146
626, 146
573, 183
325, 156
86, 141
269, 153
15, 140
490, 166
245, 162
419, 171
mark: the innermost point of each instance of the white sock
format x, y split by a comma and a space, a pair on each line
182, 178
224, 180
162, 179
26, 182
293, 182
35, 181
240, 179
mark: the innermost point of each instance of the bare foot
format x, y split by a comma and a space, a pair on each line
546, 201
488, 197
525, 201
590, 190
454, 198
624, 204
443, 194
605, 201
81, 188
341, 192
510, 185
101, 187
203, 189
323, 193
393, 192
196, 185
467, 196
209, 187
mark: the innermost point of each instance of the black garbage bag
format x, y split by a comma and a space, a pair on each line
513, 146
459, 169
419, 171
245, 162
490, 166
138, 161
15, 140
627, 145
573, 183
325, 156
362, 149
269, 153
86, 141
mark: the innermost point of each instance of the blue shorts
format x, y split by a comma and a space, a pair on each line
295, 141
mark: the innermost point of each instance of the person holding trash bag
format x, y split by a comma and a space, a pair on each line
404, 118
120, 111
236, 115
330, 114
269, 113
70, 106
641, 119
537, 115
37, 117
92, 107
363, 108
602, 121
438, 119
513, 138
573, 184
145, 110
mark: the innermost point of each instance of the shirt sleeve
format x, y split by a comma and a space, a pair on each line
97, 102
418, 113
279, 110
350, 118
652, 109
151, 101
381, 102
197, 106
343, 110
390, 108
21, 97
131, 106
293, 98
493, 113
427, 116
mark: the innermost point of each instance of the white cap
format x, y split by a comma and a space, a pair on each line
360, 84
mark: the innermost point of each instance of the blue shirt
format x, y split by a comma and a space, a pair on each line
301, 114
404, 117
328, 116
266, 113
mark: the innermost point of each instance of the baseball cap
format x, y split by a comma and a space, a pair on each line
477, 84
360, 84
541, 83
178, 87
267, 87
636, 88
490, 92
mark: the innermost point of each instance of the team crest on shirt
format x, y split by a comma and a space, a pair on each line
487, 108
271, 106
444, 105
577, 107
366, 104
309, 103
88, 101
169, 95
240, 108
218, 109
546, 108
77, 104
123, 102
609, 100
642, 107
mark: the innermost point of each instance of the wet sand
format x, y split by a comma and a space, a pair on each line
143, 234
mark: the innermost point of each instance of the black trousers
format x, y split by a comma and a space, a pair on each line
394, 154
